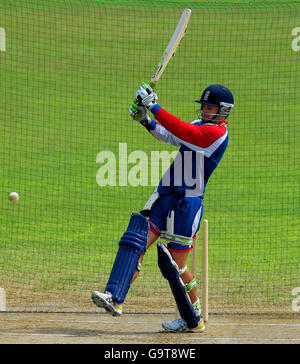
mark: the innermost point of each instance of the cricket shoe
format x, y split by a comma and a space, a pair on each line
105, 300
180, 325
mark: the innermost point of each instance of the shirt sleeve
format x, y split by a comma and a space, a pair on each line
199, 135
162, 134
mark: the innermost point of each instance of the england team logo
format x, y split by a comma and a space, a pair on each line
206, 95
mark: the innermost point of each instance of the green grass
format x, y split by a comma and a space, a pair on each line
66, 80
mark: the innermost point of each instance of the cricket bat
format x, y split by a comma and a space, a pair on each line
172, 46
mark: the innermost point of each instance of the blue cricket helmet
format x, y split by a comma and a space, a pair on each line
218, 95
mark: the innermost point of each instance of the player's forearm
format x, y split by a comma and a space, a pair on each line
162, 134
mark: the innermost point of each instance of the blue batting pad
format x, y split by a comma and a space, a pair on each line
169, 271
131, 245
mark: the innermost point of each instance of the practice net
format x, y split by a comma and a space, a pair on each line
68, 74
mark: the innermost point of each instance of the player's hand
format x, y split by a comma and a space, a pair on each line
146, 96
139, 113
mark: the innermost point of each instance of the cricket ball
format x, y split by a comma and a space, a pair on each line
13, 197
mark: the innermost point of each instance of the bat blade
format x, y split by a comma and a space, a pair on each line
172, 46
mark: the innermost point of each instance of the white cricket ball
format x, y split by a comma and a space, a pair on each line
13, 197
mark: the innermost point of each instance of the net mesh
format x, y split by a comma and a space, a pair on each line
68, 73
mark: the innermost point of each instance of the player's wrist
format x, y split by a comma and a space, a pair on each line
150, 126
146, 121
156, 107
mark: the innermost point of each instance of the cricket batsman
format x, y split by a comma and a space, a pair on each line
174, 211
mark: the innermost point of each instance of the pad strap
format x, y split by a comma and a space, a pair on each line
182, 270
197, 307
189, 286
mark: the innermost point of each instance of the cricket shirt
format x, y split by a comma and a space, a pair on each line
202, 146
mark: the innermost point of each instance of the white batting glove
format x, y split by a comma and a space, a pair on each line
139, 113
146, 96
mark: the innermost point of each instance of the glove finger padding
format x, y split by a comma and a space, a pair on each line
146, 96
139, 114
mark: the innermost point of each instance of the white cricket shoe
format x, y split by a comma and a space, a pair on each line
104, 300
180, 325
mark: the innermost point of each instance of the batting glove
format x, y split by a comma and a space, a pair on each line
139, 113
146, 96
